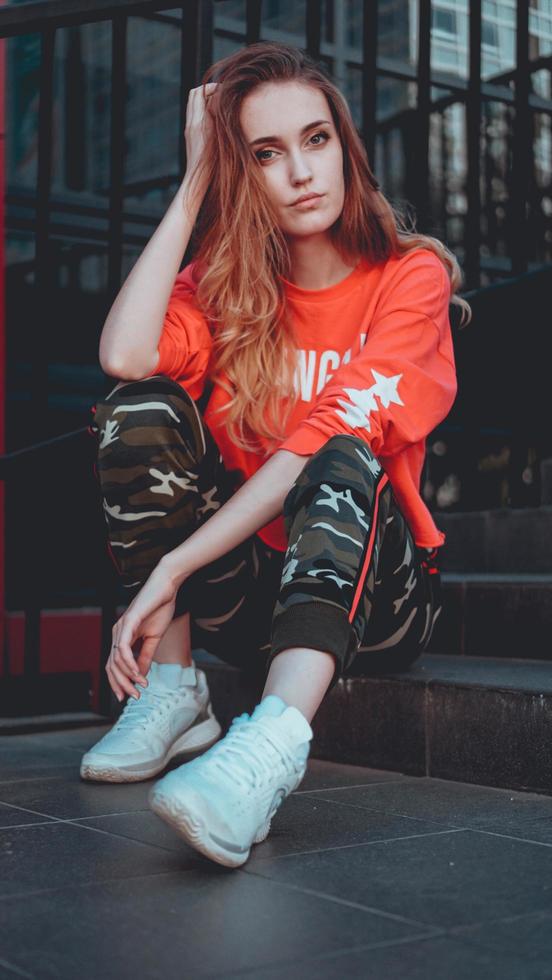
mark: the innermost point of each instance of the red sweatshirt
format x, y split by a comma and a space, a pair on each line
375, 360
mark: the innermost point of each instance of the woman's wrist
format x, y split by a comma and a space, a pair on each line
191, 193
173, 566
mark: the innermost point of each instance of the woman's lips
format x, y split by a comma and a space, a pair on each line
309, 202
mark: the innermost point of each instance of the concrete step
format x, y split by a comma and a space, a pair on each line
546, 481
475, 720
29, 724
502, 540
499, 615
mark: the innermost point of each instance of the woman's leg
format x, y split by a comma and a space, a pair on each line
338, 517
405, 604
161, 476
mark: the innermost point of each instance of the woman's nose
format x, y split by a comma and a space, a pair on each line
300, 169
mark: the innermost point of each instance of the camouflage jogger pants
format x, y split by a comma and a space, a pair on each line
352, 581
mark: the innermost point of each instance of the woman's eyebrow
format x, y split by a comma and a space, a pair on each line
276, 139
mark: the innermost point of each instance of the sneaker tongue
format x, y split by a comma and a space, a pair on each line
170, 675
271, 705
297, 725
294, 722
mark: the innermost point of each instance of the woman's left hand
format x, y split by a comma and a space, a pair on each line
148, 617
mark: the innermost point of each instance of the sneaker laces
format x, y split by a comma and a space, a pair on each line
248, 755
140, 713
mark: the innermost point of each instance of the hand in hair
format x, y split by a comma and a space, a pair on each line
198, 128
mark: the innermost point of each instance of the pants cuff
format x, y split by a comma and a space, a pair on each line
317, 625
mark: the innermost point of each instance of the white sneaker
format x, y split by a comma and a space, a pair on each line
224, 801
173, 715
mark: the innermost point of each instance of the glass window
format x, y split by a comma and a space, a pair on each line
489, 34
398, 30
443, 20
287, 16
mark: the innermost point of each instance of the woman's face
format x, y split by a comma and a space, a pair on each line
302, 155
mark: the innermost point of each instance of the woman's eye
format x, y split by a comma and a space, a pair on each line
324, 135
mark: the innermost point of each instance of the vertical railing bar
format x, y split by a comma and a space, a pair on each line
39, 390
472, 234
369, 77
522, 148
189, 69
312, 28
39, 368
253, 10
423, 110
114, 273
206, 29
518, 230
329, 23
444, 169
117, 149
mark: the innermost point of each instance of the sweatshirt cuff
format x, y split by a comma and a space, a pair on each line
306, 440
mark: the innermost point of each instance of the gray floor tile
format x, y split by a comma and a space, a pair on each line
67, 738
447, 879
306, 823
439, 958
527, 936
303, 823
13, 817
69, 796
331, 775
32, 755
17, 774
54, 855
140, 825
203, 922
526, 815
34, 761
10, 972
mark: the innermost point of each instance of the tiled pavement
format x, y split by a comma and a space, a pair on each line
365, 874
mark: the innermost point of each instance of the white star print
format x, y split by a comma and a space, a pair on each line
362, 401
358, 409
386, 389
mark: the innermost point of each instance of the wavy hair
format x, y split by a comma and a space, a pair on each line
241, 252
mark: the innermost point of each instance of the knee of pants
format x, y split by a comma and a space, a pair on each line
139, 422
344, 461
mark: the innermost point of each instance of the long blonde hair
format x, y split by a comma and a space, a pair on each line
241, 251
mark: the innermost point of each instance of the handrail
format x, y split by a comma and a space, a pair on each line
27, 18
21, 455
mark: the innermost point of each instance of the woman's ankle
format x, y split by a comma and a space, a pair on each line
175, 646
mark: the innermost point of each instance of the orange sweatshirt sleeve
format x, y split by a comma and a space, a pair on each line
402, 383
185, 342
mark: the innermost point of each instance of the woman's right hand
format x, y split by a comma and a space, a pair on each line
147, 618
198, 129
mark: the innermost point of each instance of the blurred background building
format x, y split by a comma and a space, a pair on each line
453, 100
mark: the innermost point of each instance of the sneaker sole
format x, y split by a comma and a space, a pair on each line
192, 827
193, 740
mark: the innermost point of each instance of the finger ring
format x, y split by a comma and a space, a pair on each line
115, 646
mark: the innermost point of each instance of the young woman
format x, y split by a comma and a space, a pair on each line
283, 528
